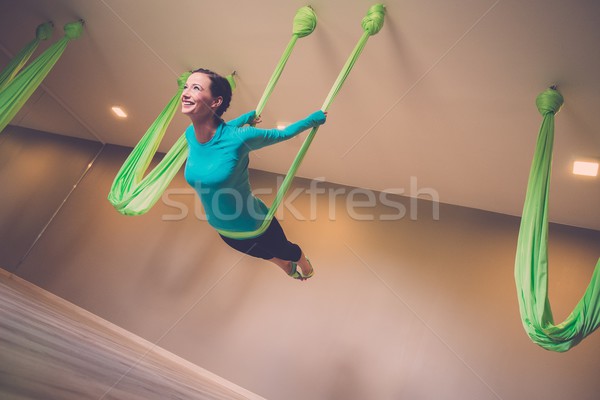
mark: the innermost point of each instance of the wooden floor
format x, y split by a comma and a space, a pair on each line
51, 349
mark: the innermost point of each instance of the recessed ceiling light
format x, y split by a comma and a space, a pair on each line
282, 125
119, 112
586, 168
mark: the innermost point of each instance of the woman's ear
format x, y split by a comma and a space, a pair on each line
216, 103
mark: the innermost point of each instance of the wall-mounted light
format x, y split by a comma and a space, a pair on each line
586, 168
119, 112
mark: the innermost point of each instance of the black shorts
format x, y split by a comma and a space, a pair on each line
272, 243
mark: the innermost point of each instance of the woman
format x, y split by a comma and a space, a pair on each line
217, 167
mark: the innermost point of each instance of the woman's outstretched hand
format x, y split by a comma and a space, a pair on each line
318, 118
257, 120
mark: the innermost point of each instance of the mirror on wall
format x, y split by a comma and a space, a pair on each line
44, 151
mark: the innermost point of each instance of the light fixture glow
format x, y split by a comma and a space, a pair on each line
282, 125
586, 168
119, 112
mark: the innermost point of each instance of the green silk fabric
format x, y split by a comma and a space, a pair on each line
18, 90
42, 32
305, 22
531, 262
132, 193
371, 25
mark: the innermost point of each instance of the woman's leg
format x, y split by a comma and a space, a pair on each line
284, 251
286, 266
252, 247
273, 246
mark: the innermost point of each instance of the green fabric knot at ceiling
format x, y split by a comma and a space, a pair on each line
531, 260
373, 22
44, 31
305, 22
231, 79
182, 79
549, 101
73, 30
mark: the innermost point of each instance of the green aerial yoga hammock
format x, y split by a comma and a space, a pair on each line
132, 193
531, 263
371, 25
42, 32
15, 93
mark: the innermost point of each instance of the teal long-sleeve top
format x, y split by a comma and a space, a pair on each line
218, 169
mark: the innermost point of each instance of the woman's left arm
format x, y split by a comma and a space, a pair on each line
243, 119
258, 138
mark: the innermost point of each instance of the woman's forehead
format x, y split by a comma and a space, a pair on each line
199, 77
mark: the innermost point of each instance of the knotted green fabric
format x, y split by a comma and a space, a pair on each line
132, 193
305, 22
371, 25
42, 32
531, 263
16, 92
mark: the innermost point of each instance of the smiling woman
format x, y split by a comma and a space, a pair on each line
217, 167
218, 159
132, 193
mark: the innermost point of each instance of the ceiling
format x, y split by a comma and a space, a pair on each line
442, 99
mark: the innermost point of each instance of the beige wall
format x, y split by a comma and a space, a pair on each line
416, 308
37, 172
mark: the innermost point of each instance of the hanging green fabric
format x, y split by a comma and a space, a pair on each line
305, 22
531, 263
17, 92
371, 24
42, 32
132, 193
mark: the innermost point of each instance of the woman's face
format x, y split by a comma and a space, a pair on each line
197, 99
